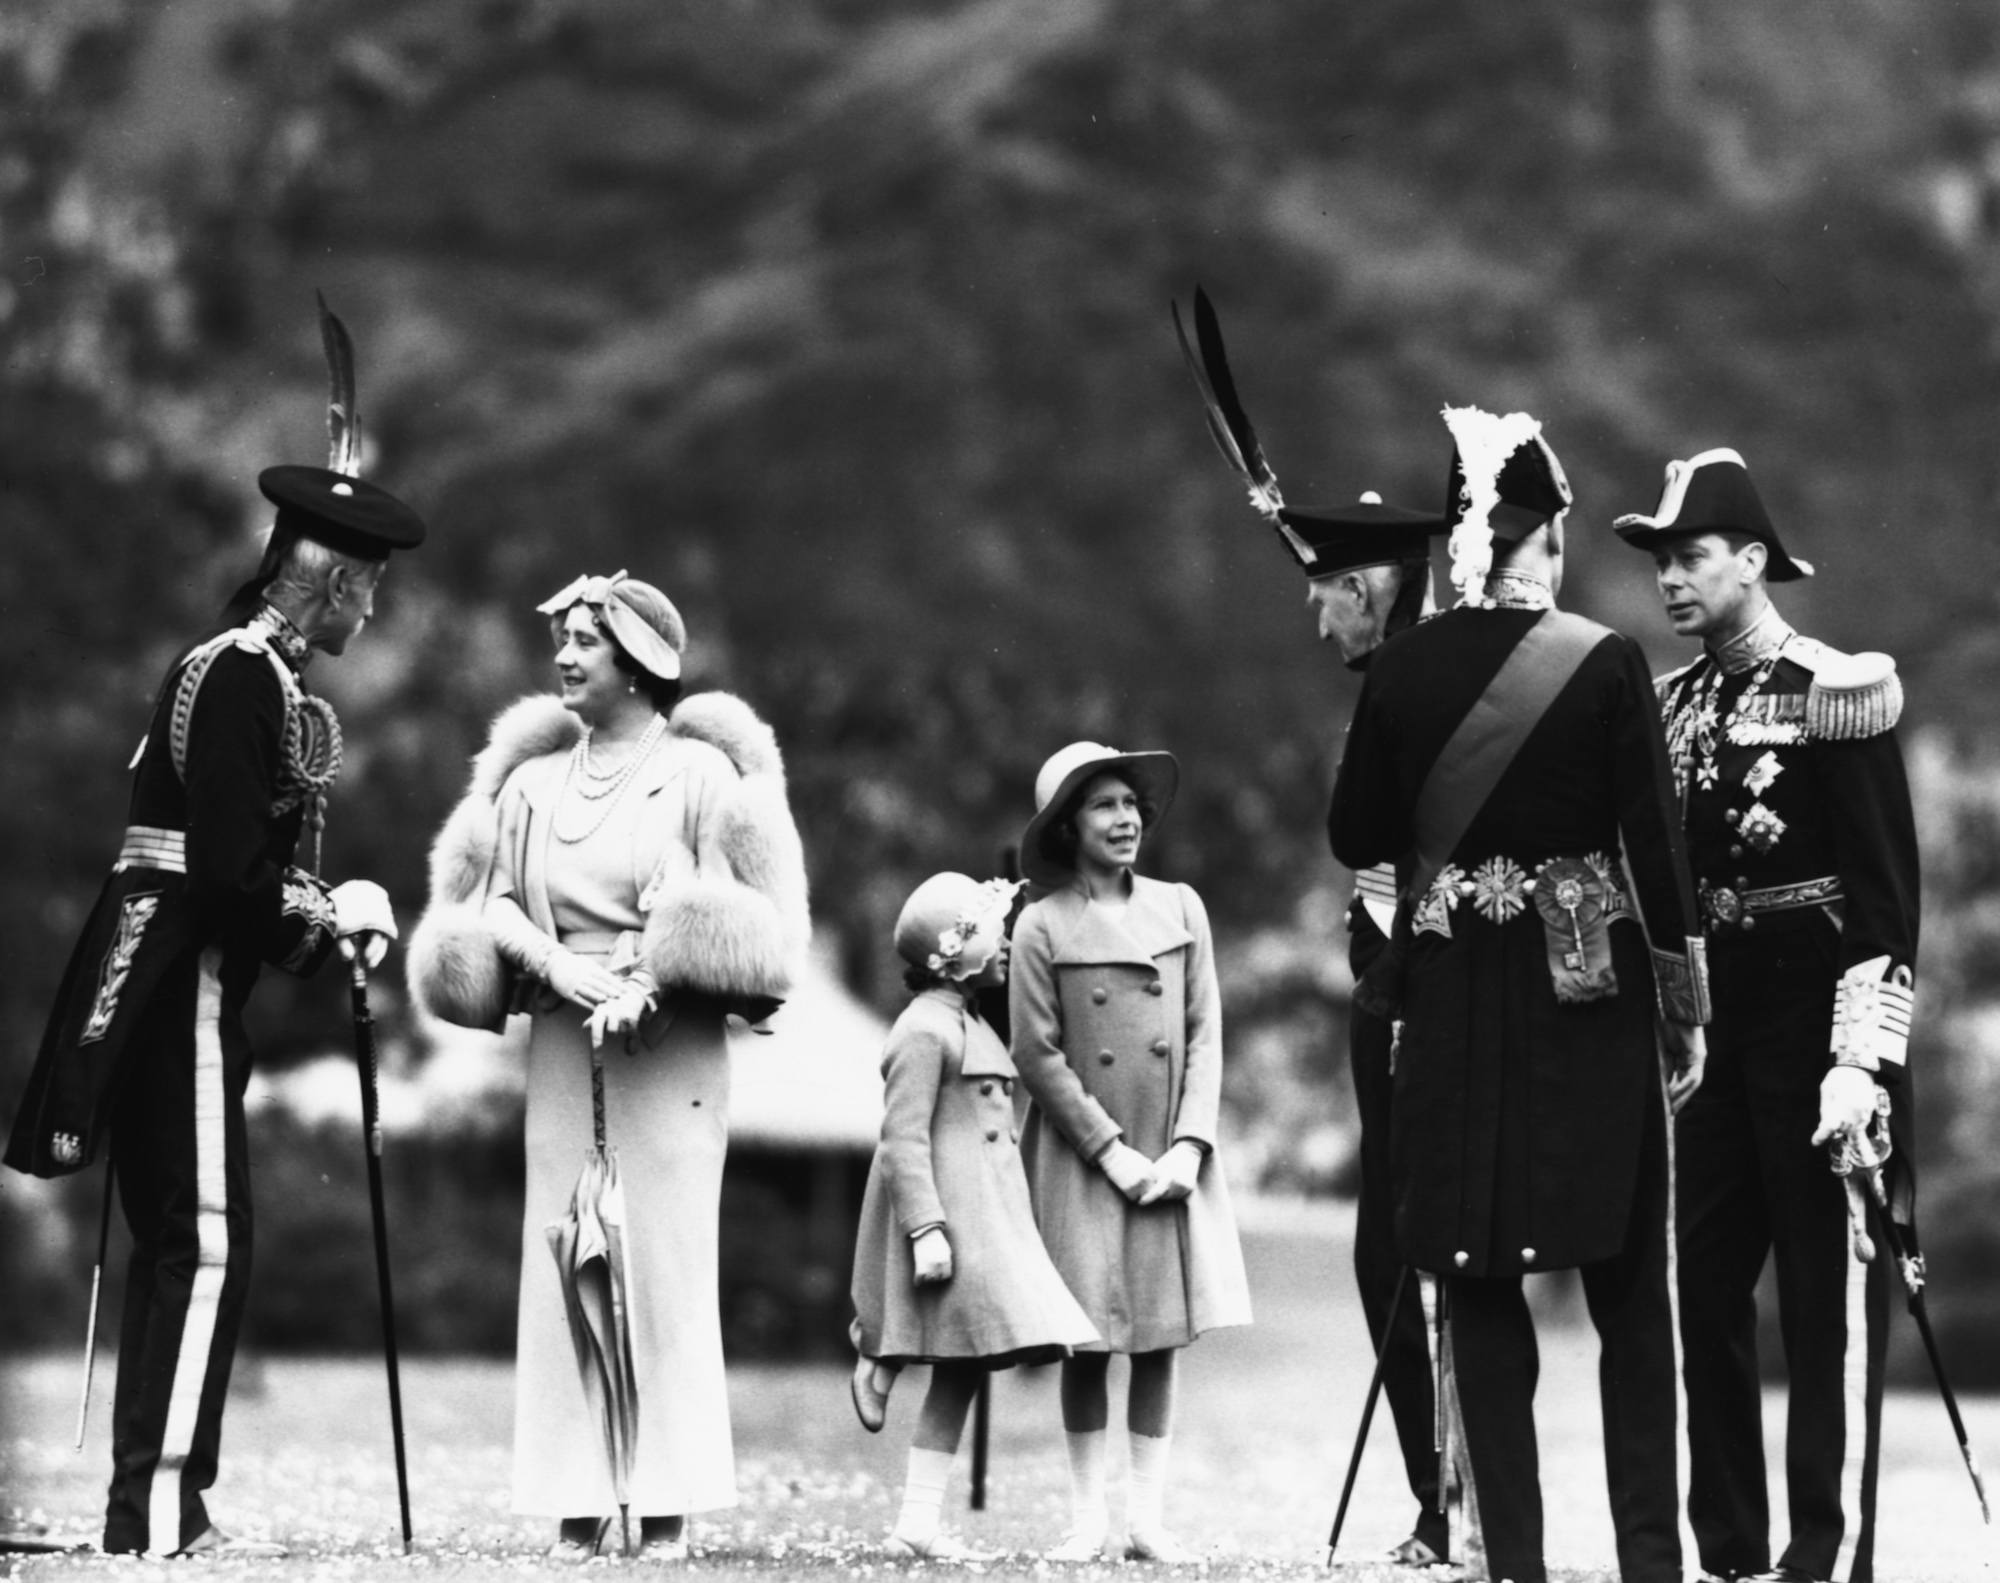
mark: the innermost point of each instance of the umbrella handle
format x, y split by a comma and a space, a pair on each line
597, 1094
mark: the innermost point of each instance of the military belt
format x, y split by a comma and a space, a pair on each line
147, 846
1724, 907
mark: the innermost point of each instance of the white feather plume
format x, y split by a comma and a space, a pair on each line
1485, 442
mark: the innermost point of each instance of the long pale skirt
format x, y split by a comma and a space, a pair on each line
667, 1114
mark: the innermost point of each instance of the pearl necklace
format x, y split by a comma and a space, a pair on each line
611, 785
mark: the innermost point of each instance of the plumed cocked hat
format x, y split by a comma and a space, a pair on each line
641, 618
1505, 482
1712, 493
1154, 775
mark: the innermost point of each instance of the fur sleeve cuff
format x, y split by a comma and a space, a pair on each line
455, 969
720, 937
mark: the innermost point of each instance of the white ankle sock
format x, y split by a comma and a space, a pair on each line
1145, 1497
923, 1494
1089, 1512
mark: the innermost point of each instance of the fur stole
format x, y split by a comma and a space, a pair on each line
734, 933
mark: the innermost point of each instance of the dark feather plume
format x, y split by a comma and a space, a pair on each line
343, 423
1228, 423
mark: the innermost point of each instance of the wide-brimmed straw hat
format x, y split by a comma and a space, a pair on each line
1154, 775
952, 924
638, 615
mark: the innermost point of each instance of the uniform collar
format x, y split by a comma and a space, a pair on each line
1755, 644
1511, 590
283, 635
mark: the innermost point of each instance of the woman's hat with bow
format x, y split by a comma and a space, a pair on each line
641, 619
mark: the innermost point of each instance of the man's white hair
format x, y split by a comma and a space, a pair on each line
308, 564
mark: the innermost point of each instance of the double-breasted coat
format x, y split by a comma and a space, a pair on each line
950, 1156
1117, 1034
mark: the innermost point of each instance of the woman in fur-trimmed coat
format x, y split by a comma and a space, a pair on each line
624, 867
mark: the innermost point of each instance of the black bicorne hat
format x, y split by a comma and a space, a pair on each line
1329, 539
1712, 493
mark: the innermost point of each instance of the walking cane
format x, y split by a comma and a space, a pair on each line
96, 1283
371, 1140
1367, 1413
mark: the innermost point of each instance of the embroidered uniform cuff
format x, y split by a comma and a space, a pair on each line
306, 898
1871, 1015
1682, 983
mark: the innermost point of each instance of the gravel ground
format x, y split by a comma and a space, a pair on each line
1266, 1417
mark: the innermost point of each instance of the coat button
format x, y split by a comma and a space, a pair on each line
992, 1134
1736, 849
1731, 816
1013, 1135
1156, 988
1006, 1085
1161, 1047
1100, 995
1749, 922
1527, 1255
1104, 1058
985, 1088
1461, 1258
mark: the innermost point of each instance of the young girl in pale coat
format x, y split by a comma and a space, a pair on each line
1117, 1030
948, 1267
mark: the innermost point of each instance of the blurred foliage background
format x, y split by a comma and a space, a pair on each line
846, 322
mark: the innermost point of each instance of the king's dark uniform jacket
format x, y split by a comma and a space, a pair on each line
1518, 1116
218, 802
1800, 830
146, 1042
1804, 848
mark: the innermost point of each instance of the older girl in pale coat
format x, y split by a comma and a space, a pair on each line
948, 1268
1117, 1034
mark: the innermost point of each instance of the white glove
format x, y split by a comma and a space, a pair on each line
361, 909
1174, 1174
1846, 1102
932, 1249
1686, 1047
621, 1014
1130, 1171
582, 980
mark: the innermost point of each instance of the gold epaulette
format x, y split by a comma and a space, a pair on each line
1851, 696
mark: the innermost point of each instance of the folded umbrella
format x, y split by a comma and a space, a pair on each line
589, 1248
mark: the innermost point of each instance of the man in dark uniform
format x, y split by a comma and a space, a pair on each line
1368, 577
145, 1047
1514, 750
1804, 849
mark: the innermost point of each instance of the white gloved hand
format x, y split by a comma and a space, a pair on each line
1174, 1174
363, 919
621, 1014
932, 1251
582, 980
1130, 1171
1686, 1048
1846, 1102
